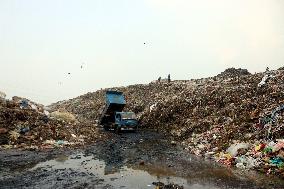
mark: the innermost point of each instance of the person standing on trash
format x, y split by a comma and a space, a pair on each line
169, 78
159, 79
267, 71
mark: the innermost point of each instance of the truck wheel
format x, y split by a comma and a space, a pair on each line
117, 129
106, 127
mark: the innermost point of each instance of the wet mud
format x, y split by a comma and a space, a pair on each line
141, 160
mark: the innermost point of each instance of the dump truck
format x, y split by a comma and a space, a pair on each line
113, 117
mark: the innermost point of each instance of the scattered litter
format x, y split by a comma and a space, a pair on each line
64, 115
264, 80
235, 148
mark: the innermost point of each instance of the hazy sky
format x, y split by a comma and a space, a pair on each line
42, 41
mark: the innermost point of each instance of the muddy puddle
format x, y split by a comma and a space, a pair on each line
124, 177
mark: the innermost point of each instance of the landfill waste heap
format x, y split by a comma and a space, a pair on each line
28, 125
235, 118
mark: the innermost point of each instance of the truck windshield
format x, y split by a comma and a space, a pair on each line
129, 115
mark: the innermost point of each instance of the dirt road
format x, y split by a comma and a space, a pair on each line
127, 160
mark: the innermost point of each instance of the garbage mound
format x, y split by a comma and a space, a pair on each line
25, 124
235, 118
233, 72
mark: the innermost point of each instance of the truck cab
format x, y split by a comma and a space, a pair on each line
126, 120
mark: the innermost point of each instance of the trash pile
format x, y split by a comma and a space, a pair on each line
208, 115
25, 124
86, 107
233, 72
266, 157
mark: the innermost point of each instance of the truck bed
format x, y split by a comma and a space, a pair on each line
115, 102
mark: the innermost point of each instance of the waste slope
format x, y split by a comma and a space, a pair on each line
25, 124
209, 115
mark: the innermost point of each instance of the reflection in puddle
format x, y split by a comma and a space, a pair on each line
123, 177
